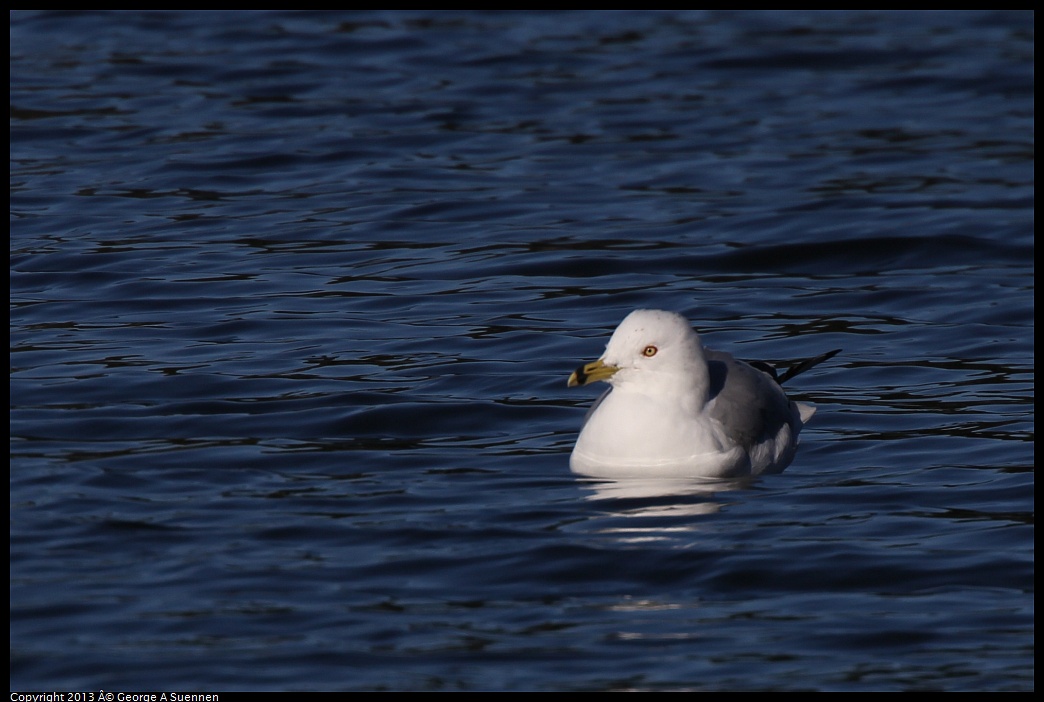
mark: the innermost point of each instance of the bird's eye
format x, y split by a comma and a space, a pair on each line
649, 351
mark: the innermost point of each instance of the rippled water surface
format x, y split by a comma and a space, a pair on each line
294, 297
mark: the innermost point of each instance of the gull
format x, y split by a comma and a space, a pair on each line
676, 409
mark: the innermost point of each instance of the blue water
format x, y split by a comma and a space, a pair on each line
294, 298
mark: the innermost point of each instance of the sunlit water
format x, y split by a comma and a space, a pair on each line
294, 297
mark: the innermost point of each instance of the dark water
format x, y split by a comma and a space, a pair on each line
294, 297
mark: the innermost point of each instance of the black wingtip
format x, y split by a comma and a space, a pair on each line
805, 365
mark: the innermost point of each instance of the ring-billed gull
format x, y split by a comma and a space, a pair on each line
677, 409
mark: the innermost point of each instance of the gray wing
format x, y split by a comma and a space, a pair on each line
748, 403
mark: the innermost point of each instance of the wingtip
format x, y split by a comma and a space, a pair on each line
807, 364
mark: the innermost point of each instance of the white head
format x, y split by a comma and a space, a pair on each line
654, 342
